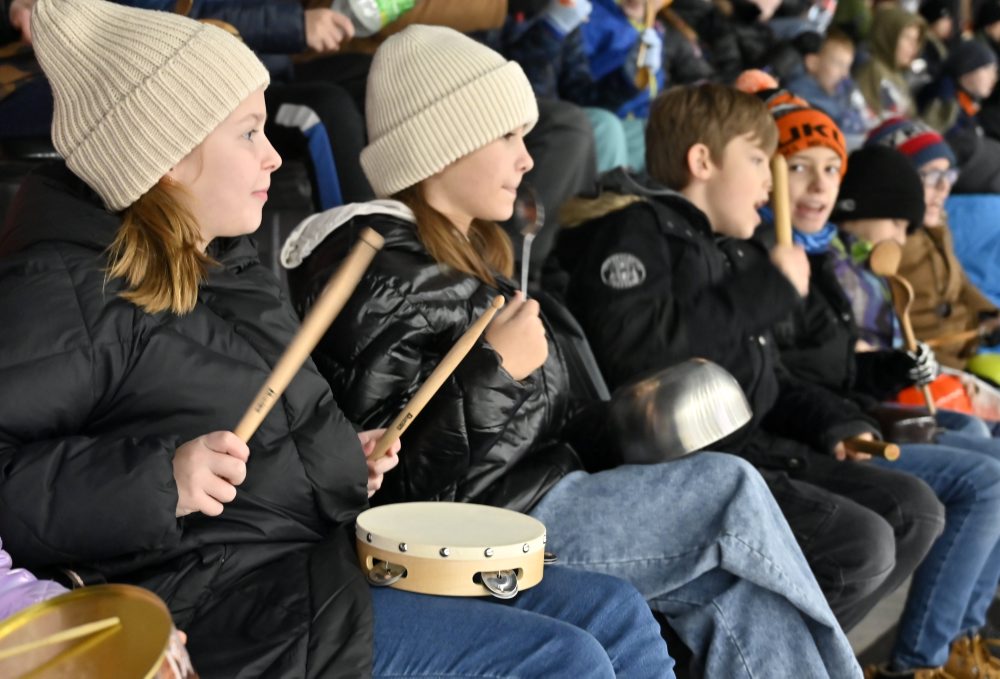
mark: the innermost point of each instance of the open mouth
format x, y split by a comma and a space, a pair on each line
810, 209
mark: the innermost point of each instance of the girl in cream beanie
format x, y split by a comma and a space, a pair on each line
446, 123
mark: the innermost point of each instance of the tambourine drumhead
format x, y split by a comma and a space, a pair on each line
133, 648
445, 545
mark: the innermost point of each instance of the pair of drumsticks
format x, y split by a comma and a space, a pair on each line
783, 231
330, 302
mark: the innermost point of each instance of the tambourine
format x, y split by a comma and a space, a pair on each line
92, 632
451, 548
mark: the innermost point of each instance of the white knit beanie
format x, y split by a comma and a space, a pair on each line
135, 90
435, 95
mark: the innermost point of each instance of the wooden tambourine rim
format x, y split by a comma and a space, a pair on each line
150, 627
438, 566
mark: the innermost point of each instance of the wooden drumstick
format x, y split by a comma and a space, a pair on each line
333, 298
889, 451
779, 200
434, 381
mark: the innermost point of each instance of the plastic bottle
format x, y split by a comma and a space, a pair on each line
370, 16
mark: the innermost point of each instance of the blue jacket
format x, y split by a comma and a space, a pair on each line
611, 42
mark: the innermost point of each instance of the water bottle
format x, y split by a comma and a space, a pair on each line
370, 16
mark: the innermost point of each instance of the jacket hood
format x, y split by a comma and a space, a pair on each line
314, 229
888, 23
53, 204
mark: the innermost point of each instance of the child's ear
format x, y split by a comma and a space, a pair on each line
811, 62
699, 162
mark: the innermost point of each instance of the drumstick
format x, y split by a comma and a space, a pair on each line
779, 200
65, 635
902, 298
889, 451
434, 381
333, 298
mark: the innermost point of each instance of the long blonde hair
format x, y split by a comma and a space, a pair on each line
157, 251
487, 250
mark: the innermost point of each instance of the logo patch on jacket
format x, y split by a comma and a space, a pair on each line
622, 271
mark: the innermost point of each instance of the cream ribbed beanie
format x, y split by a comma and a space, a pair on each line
135, 90
435, 95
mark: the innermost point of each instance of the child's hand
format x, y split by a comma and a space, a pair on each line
207, 470
326, 30
791, 260
842, 452
378, 468
517, 334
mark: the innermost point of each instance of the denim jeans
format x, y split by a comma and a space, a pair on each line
965, 424
704, 541
954, 585
572, 624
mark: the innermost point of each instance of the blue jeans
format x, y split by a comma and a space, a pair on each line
704, 541
955, 584
572, 624
967, 425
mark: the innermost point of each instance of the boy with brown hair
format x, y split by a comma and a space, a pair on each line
665, 275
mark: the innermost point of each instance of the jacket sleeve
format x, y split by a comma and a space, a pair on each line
372, 383
69, 493
266, 26
640, 296
815, 415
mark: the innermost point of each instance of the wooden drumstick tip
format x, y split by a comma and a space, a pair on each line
498, 302
891, 452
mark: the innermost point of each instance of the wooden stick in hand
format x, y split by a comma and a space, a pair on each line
889, 451
333, 298
434, 381
779, 200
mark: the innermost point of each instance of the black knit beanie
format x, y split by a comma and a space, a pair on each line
881, 183
967, 56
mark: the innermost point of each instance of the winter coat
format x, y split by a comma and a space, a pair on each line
612, 43
653, 286
945, 302
97, 395
484, 437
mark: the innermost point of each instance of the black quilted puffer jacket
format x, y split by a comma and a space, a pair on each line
95, 397
484, 437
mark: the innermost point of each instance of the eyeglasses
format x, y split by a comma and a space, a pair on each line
933, 178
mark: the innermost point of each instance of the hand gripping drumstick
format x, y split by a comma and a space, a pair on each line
434, 381
333, 298
783, 231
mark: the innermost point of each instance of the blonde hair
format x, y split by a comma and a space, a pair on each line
487, 250
157, 252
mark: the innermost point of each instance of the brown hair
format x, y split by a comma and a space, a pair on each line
486, 251
157, 251
708, 114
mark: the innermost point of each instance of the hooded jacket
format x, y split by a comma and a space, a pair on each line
880, 80
484, 437
97, 395
653, 286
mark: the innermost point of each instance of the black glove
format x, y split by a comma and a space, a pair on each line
925, 366
989, 328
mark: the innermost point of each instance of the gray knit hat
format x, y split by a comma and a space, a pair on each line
135, 90
434, 96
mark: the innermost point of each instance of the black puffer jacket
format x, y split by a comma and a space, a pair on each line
96, 395
653, 286
484, 437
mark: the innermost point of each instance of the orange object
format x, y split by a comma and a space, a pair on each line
947, 392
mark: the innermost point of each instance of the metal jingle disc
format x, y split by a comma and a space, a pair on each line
385, 574
502, 584
549, 557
